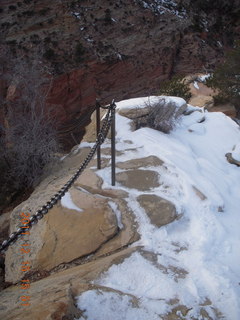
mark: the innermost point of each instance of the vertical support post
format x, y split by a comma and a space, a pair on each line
98, 130
113, 144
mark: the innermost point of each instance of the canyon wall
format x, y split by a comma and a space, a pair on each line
111, 50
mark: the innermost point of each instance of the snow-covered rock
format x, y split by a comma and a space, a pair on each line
139, 107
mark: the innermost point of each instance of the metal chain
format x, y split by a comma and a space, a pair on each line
58, 196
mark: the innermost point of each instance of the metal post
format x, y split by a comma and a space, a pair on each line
113, 143
98, 130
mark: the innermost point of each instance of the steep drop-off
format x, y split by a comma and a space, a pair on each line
114, 49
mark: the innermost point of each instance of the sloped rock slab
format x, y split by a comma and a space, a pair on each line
142, 180
159, 210
64, 235
53, 297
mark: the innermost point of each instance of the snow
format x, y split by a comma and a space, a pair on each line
160, 7
196, 85
196, 258
236, 152
67, 202
204, 77
117, 213
146, 101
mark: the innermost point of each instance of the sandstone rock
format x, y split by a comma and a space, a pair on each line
134, 112
159, 210
89, 179
74, 234
151, 161
202, 101
227, 109
65, 234
53, 297
90, 131
138, 179
127, 235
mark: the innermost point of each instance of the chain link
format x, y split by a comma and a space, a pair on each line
58, 196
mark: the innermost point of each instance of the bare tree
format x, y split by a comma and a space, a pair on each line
29, 138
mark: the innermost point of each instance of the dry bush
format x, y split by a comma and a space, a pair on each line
29, 139
162, 116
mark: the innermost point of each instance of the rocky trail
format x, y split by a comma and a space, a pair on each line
136, 250
76, 245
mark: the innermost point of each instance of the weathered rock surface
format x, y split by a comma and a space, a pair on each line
53, 297
67, 234
151, 161
159, 210
142, 180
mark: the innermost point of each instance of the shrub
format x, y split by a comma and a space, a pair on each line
226, 78
163, 116
176, 87
29, 138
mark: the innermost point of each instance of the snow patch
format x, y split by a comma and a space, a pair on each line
67, 202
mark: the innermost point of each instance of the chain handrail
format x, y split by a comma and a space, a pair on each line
58, 196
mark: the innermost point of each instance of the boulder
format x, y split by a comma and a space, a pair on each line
159, 210
64, 234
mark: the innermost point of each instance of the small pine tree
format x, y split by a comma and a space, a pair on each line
176, 87
226, 78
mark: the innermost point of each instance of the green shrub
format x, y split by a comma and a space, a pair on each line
226, 79
176, 87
